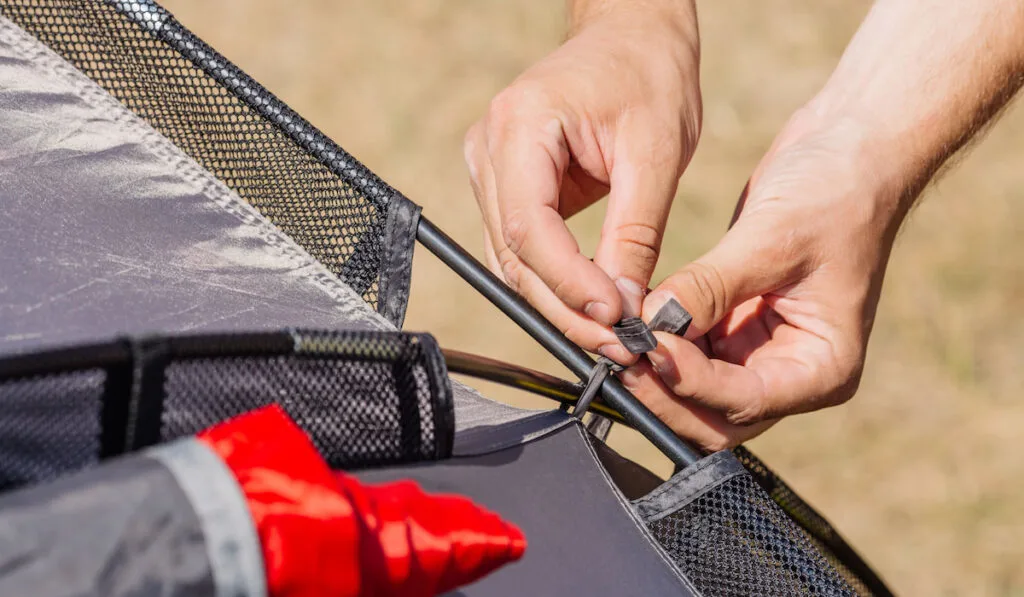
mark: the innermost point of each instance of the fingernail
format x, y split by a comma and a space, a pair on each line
600, 312
616, 352
658, 361
655, 301
629, 377
632, 296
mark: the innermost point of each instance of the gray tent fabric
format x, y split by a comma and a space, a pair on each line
232, 545
132, 527
583, 536
129, 235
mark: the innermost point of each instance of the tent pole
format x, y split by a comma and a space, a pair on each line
572, 356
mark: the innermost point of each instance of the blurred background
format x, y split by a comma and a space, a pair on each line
921, 471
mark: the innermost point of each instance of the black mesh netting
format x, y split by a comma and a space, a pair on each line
734, 540
855, 570
365, 398
374, 406
300, 180
49, 424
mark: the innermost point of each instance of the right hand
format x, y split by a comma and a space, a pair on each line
616, 110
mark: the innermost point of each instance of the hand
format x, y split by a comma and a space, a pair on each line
615, 110
783, 306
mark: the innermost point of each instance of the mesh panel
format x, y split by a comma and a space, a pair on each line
365, 398
856, 572
300, 180
371, 407
49, 425
733, 540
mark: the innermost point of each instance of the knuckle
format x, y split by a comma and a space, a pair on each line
708, 289
515, 230
509, 105
717, 443
510, 268
849, 377
753, 411
642, 241
563, 288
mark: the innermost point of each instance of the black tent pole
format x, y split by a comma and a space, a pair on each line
572, 356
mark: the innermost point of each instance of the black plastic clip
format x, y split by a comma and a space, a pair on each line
638, 338
598, 374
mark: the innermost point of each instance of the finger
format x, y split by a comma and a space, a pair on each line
529, 157
643, 184
781, 381
706, 427
579, 190
482, 182
749, 261
490, 256
577, 327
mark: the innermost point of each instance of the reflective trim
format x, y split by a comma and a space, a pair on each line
232, 545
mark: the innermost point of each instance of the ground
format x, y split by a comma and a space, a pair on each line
921, 469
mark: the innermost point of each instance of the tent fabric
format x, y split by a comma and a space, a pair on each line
130, 236
130, 528
333, 206
584, 537
729, 537
93, 190
247, 508
229, 533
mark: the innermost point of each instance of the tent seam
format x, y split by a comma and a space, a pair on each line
634, 517
307, 267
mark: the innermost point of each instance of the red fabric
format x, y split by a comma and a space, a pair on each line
325, 534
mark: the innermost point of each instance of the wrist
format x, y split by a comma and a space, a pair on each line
891, 151
875, 171
676, 17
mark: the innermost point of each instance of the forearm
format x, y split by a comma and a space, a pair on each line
922, 77
680, 13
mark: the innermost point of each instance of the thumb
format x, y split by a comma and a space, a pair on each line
748, 262
643, 186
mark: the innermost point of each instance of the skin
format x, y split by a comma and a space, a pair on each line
784, 304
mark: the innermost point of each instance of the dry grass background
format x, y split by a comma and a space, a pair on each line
921, 471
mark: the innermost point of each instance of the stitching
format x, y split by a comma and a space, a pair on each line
683, 476
688, 498
634, 517
115, 112
535, 425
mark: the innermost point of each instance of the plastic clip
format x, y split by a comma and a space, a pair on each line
638, 338
598, 374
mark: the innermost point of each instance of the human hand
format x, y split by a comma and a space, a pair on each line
616, 110
783, 306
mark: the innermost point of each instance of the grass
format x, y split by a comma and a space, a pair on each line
920, 470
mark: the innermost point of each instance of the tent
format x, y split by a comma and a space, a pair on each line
180, 248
